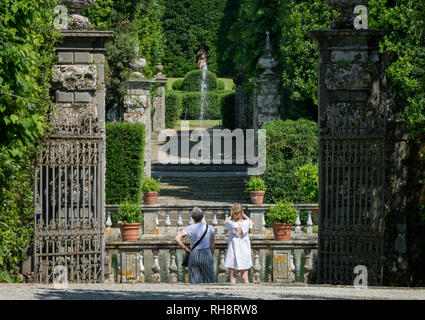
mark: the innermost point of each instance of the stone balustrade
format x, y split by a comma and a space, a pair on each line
166, 221
159, 260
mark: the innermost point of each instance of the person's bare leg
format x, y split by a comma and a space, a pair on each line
232, 273
244, 276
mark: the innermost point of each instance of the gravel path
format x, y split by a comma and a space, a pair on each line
200, 292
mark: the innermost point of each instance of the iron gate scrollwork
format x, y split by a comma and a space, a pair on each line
68, 223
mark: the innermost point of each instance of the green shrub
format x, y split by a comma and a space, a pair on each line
177, 85
228, 111
150, 185
220, 85
308, 182
173, 108
255, 184
125, 143
191, 104
290, 145
283, 212
130, 212
192, 81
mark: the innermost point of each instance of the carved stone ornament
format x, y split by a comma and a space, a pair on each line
76, 20
267, 62
137, 64
345, 20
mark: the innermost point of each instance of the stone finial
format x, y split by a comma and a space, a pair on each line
137, 64
160, 68
267, 62
77, 21
346, 19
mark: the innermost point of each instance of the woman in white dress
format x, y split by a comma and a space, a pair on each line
238, 257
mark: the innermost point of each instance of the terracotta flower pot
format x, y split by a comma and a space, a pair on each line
257, 197
282, 231
129, 231
149, 198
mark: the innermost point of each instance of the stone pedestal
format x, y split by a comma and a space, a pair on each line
137, 106
357, 148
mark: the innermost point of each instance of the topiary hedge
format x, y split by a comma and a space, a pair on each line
192, 81
290, 146
125, 144
228, 111
191, 104
173, 108
177, 85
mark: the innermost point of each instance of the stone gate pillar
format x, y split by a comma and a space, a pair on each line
358, 129
241, 101
267, 99
69, 187
158, 103
137, 107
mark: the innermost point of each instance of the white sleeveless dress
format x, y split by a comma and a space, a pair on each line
238, 247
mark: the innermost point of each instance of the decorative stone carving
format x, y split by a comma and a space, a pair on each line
267, 99
137, 64
77, 21
74, 77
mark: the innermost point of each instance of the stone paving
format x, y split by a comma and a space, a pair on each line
165, 291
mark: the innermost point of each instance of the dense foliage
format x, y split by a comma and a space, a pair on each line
255, 184
27, 40
129, 212
134, 23
228, 111
290, 145
125, 143
150, 185
282, 212
187, 25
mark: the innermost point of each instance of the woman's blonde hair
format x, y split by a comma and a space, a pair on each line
236, 212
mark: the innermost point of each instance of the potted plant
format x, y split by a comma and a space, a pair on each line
130, 219
281, 217
150, 189
256, 188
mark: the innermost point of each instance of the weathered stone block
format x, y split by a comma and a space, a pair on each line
65, 57
282, 266
83, 97
348, 56
98, 58
74, 77
62, 96
82, 57
343, 76
70, 115
134, 117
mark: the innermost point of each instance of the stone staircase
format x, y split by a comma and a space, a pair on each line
201, 184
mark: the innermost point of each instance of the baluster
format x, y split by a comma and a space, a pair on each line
180, 221
108, 220
141, 267
226, 215
156, 277
271, 268
291, 267
263, 222
257, 267
309, 223
215, 222
191, 220
221, 267
298, 222
308, 264
167, 219
173, 266
297, 263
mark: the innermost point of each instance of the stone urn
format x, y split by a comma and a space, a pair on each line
282, 231
149, 198
257, 197
129, 231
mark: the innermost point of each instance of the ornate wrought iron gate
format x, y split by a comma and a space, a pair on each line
68, 224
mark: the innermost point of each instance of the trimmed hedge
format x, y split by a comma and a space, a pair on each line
177, 85
228, 111
125, 145
191, 105
220, 85
290, 146
192, 81
173, 108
